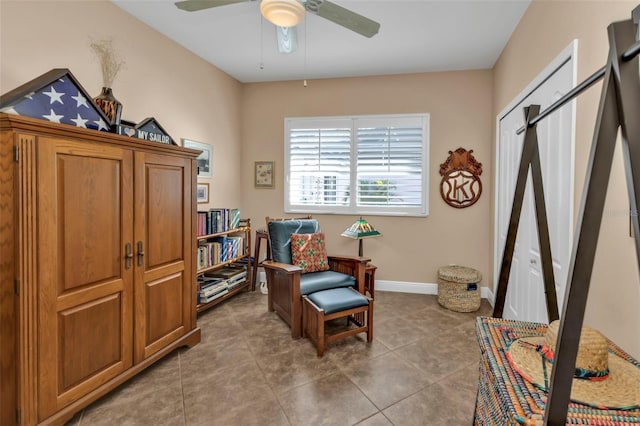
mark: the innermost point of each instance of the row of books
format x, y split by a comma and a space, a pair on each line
211, 288
213, 221
219, 250
215, 284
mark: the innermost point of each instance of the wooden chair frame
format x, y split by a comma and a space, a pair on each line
283, 283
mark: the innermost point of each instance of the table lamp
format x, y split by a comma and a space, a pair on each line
360, 230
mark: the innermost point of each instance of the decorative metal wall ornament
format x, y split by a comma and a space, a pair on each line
460, 186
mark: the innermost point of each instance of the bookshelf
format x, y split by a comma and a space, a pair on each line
222, 258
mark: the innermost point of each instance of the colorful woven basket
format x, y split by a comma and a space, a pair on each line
459, 288
505, 398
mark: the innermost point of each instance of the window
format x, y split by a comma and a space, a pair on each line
384, 158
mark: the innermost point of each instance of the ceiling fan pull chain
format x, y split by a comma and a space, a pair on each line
306, 46
261, 44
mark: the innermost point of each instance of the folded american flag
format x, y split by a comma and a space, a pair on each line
60, 100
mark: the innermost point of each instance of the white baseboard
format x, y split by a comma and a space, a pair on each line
422, 288
487, 293
408, 287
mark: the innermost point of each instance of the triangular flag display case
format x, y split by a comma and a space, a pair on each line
619, 109
148, 129
58, 97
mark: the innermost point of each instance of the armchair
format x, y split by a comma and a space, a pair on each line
287, 283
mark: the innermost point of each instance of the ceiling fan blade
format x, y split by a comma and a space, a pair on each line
344, 17
194, 5
287, 38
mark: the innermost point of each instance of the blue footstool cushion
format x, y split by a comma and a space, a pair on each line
337, 299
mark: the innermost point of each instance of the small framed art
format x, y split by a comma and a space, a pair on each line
202, 193
205, 159
264, 172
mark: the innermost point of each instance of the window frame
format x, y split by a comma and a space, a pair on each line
352, 208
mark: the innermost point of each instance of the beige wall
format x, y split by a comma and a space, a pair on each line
545, 30
411, 249
244, 123
188, 96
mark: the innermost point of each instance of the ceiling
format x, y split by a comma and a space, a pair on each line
415, 36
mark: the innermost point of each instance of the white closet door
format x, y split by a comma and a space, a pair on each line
525, 298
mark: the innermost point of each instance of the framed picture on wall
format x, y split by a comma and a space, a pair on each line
264, 172
202, 193
205, 160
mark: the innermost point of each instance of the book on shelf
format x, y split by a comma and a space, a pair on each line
234, 218
207, 299
237, 283
223, 248
219, 220
211, 283
201, 219
204, 280
237, 279
209, 287
208, 254
228, 272
211, 291
237, 246
216, 220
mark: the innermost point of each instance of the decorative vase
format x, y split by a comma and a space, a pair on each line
109, 105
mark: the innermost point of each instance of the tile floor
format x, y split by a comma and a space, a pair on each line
421, 369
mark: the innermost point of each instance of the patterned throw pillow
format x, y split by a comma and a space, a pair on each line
308, 252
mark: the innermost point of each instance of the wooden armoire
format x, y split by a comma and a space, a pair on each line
97, 263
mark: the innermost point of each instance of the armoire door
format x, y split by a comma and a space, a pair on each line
85, 294
163, 251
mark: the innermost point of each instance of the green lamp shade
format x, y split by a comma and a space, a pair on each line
360, 229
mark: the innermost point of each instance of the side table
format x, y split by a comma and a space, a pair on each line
370, 279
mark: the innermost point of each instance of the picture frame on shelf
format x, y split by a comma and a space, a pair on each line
264, 172
205, 159
202, 193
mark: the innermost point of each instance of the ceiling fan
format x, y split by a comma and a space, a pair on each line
286, 14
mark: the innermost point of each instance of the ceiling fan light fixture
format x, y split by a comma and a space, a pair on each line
283, 13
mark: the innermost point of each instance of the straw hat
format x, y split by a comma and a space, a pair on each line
602, 379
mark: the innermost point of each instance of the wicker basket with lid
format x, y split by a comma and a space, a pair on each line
458, 288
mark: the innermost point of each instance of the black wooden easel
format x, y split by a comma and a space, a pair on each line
619, 108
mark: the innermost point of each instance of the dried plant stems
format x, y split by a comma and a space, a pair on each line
109, 60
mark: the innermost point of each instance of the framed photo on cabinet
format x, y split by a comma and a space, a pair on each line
205, 164
264, 172
202, 193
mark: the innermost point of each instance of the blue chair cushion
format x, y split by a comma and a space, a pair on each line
280, 236
324, 280
337, 300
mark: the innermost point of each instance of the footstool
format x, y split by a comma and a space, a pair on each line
326, 305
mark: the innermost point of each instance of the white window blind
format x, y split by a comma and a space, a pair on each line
383, 158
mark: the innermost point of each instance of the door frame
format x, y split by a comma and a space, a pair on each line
568, 53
